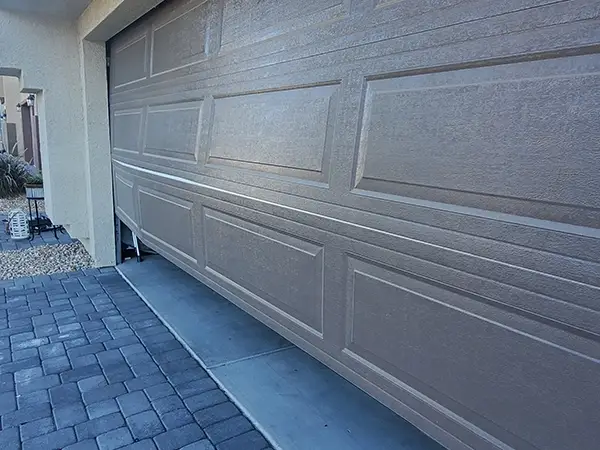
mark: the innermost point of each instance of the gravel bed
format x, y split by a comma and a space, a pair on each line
8, 204
44, 260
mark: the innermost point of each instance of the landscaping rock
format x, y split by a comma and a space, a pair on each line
44, 260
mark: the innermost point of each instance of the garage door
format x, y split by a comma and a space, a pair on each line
409, 190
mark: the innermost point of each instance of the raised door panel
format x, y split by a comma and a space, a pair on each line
288, 132
428, 337
284, 272
522, 131
180, 39
173, 131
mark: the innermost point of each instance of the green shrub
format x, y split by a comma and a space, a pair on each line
13, 176
36, 178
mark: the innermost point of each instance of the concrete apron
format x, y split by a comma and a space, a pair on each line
293, 399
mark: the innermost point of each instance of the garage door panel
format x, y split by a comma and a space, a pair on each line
286, 131
405, 35
403, 326
177, 231
472, 135
406, 215
125, 198
173, 131
552, 286
285, 273
130, 62
546, 283
511, 239
126, 131
253, 21
180, 38
489, 293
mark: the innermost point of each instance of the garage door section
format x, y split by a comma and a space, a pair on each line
406, 189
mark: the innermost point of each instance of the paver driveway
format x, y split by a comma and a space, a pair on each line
85, 364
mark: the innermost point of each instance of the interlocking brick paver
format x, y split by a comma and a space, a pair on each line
146, 444
75, 343
81, 373
145, 425
204, 444
9, 439
64, 394
85, 364
133, 403
103, 393
141, 369
114, 439
88, 444
90, 383
37, 428
8, 402
179, 437
52, 350
187, 376
37, 384
99, 425
145, 381
121, 331
176, 418
82, 361
117, 373
7, 382
121, 342
69, 415
166, 404
56, 365
227, 429
159, 391
102, 408
205, 400
26, 414
33, 398
85, 350
18, 355
110, 357
252, 440
214, 414
196, 387
25, 375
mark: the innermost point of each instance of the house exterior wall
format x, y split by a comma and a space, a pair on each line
64, 63
45, 54
12, 96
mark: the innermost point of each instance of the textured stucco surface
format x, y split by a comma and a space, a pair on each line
97, 154
104, 18
46, 53
67, 9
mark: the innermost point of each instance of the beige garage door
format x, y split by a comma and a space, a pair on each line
409, 190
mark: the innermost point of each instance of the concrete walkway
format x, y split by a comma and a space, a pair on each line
85, 364
298, 402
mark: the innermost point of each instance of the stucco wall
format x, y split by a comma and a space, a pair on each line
104, 18
45, 53
64, 62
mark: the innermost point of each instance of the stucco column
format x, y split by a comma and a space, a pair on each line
97, 163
